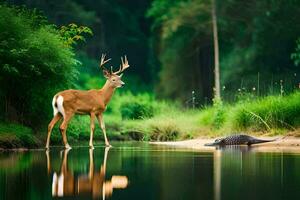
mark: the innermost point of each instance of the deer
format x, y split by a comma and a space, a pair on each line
92, 102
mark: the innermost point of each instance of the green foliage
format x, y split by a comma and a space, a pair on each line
214, 116
171, 124
179, 26
264, 114
160, 11
136, 110
248, 40
296, 55
248, 53
73, 33
16, 136
34, 65
219, 115
273, 111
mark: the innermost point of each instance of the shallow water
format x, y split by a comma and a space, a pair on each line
142, 171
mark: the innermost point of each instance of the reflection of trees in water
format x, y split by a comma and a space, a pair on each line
65, 183
14, 162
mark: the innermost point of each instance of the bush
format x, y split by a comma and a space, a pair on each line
16, 136
136, 110
165, 132
214, 116
35, 64
219, 114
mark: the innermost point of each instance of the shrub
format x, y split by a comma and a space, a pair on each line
35, 64
16, 136
136, 110
219, 114
165, 132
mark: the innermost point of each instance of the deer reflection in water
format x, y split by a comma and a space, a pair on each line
65, 183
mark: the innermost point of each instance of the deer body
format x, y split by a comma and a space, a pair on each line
93, 102
83, 102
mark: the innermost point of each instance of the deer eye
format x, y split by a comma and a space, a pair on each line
114, 80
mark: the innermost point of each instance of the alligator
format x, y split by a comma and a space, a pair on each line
237, 140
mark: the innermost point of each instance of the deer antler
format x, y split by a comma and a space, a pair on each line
103, 61
124, 65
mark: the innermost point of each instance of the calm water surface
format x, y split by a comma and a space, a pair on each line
141, 171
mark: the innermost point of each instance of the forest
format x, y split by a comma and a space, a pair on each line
198, 68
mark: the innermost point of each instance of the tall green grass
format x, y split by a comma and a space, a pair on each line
266, 114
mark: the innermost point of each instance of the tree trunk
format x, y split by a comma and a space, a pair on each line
217, 92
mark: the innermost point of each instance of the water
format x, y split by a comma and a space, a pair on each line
141, 171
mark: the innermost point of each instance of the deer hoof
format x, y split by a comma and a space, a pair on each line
68, 146
92, 147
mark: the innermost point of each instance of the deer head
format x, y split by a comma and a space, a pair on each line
114, 78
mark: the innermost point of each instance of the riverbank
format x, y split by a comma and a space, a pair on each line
268, 116
17, 136
282, 144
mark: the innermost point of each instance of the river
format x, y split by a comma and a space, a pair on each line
144, 171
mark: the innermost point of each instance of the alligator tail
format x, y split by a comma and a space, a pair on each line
258, 141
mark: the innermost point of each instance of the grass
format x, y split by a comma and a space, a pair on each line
169, 121
270, 115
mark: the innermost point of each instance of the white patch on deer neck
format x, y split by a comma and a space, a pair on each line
60, 107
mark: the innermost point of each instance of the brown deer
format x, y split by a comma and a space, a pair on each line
92, 102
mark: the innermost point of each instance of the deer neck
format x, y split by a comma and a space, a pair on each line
107, 91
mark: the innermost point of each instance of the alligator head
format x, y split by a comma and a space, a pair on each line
217, 142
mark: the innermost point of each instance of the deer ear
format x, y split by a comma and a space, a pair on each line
106, 73
121, 75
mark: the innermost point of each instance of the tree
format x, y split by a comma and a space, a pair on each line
119, 28
255, 37
216, 51
35, 63
184, 47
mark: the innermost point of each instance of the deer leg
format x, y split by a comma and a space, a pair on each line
55, 119
92, 126
63, 129
101, 122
